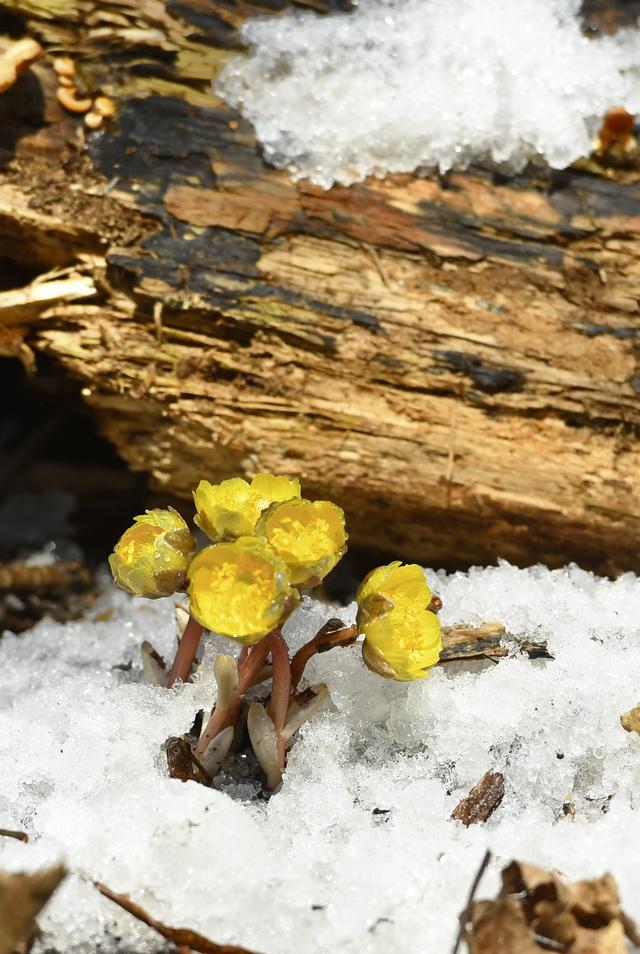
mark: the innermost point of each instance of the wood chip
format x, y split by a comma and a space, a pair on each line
482, 800
462, 643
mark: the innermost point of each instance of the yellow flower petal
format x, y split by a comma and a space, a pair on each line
151, 557
408, 644
240, 589
402, 638
274, 489
226, 510
309, 536
394, 578
231, 509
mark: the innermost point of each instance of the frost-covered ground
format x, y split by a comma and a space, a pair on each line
315, 868
401, 84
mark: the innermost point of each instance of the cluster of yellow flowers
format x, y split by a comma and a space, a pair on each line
267, 542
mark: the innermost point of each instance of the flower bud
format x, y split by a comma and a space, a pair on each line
151, 558
402, 637
232, 508
309, 536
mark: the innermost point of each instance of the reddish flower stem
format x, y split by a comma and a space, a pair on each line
250, 664
280, 689
219, 720
320, 643
186, 653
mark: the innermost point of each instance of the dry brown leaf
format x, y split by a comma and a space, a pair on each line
595, 901
631, 720
22, 897
183, 938
500, 926
536, 912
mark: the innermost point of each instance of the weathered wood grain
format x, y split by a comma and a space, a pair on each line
454, 360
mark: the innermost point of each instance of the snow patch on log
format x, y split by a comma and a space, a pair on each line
402, 85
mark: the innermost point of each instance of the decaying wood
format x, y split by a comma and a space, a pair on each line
482, 800
49, 578
462, 643
454, 360
61, 591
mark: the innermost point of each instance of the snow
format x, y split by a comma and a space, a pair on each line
400, 85
314, 868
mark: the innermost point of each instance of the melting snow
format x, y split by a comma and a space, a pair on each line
400, 85
316, 868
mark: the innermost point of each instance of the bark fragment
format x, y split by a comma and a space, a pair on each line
482, 800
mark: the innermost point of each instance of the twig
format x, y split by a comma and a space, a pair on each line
464, 916
18, 835
181, 937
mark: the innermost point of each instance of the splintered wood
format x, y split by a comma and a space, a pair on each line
452, 360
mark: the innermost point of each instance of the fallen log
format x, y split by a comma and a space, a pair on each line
454, 360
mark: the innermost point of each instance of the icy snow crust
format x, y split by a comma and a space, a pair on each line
397, 85
314, 869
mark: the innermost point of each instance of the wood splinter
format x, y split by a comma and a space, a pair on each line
482, 800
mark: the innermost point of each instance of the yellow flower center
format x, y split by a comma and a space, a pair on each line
408, 616
239, 592
303, 541
240, 589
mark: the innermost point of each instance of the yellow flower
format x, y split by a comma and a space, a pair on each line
402, 637
151, 557
232, 508
309, 536
240, 589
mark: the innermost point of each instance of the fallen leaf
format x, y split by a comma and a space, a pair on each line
22, 897
182, 937
500, 926
535, 912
